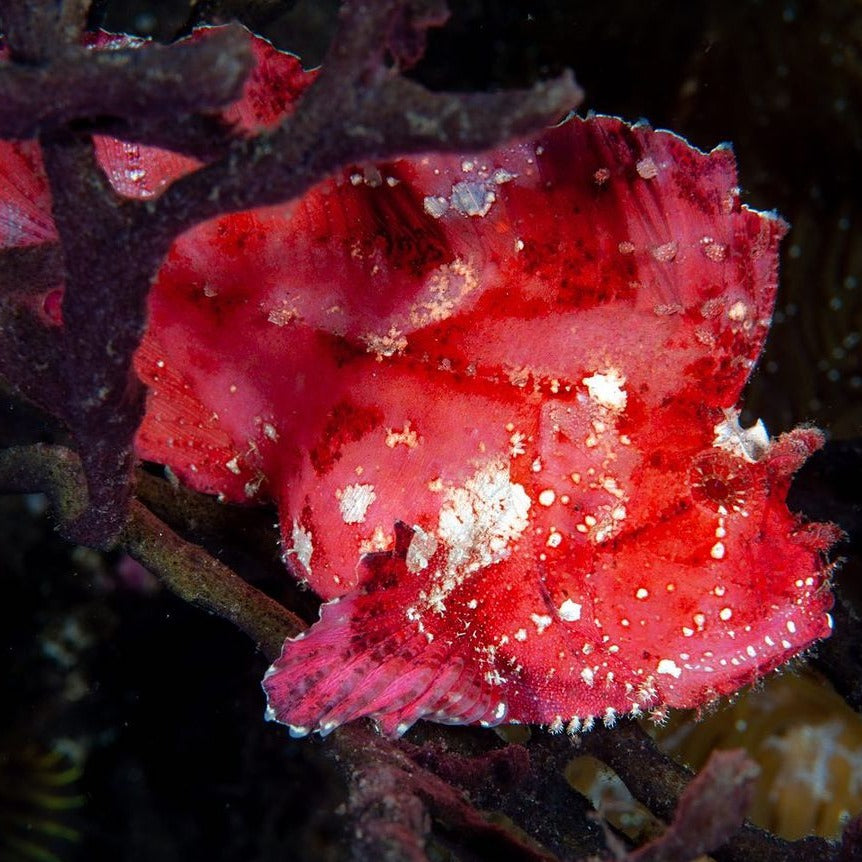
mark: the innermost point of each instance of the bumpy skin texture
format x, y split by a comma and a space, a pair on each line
494, 397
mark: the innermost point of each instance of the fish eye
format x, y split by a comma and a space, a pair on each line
720, 481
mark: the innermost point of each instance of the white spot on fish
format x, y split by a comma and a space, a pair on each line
547, 497
747, 443
422, 547
570, 611
302, 547
646, 168
542, 621
607, 390
669, 667
354, 501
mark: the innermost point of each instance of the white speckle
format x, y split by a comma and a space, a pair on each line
554, 540
737, 311
303, 547
422, 547
750, 651
610, 717
725, 614
570, 611
790, 626
669, 667
253, 485
405, 437
607, 390
354, 501
641, 593
665, 252
521, 635
542, 621
646, 168
517, 444
480, 520
473, 604
587, 675
717, 551
393, 342
547, 497
748, 443
699, 620
500, 711
719, 591
687, 632
269, 431
501, 175
435, 205
494, 677
472, 198
715, 251
536, 466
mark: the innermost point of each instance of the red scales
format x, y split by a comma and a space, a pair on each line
495, 398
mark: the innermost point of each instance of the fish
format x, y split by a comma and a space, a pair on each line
495, 397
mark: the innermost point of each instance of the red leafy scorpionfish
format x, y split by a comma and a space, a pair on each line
495, 398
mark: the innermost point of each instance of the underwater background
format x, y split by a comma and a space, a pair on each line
132, 725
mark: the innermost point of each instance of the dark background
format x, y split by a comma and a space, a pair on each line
156, 706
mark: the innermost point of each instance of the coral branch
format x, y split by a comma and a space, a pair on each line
36, 31
359, 109
51, 470
658, 782
203, 581
160, 84
710, 810
104, 312
27, 355
32, 269
186, 569
396, 117
528, 785
392, 801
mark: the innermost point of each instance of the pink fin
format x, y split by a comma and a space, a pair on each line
360, 659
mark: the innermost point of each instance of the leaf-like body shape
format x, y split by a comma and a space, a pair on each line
494, 397
532, 359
